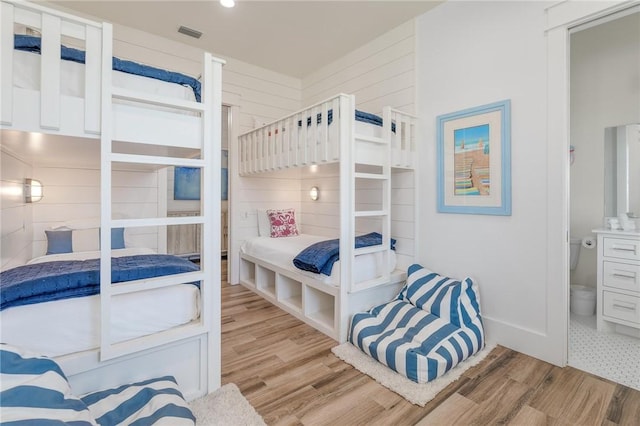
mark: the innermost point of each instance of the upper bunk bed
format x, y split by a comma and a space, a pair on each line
363, 152
82, 95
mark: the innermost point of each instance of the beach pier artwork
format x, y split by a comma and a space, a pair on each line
471, 161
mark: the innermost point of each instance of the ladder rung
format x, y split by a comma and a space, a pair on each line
371, 176
150, 159
370, 249
165, 101
157, 221
370, 213
362, 285
364, 138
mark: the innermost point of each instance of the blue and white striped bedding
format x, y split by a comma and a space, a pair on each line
35, 391
423, 342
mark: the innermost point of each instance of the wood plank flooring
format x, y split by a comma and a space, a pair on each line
286, 370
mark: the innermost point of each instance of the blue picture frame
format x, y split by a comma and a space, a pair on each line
186, 183
474, 160
224, 178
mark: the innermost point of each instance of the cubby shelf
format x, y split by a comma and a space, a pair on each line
311, 302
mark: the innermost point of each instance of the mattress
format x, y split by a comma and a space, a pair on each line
281, 251
26, 75
72, 325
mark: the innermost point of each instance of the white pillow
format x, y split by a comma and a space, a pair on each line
264, 224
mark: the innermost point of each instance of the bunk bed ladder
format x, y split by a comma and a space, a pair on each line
209, 160
371, 165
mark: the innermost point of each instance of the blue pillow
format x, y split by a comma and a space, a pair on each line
117, 238
59, 241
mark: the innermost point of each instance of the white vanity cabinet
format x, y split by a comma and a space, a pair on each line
618, 298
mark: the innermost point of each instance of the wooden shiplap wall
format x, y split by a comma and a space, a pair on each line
16, 231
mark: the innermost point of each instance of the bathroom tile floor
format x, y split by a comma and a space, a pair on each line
610, 355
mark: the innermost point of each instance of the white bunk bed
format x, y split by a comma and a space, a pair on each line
134, 129
330, 132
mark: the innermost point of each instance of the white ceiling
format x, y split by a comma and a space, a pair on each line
291, 37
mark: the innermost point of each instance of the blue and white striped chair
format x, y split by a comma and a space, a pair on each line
34, 390
432, 325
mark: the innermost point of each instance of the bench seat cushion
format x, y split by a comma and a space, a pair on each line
34, 390
414, 342
151, 402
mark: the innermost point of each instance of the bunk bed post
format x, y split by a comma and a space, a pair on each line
212, 132
105, 193
347, 208
6, 66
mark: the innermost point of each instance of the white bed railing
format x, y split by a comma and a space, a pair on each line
52, 27
308, 137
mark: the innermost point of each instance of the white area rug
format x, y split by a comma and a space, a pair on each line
225, 407
415, 393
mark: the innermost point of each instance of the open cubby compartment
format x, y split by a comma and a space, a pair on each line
266, 281
320, 307
247, 272
289, 292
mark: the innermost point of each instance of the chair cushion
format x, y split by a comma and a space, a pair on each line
412, 341
450, 299
36, 391
156, 401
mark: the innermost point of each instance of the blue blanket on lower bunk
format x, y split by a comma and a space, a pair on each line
33, 44
48, 281
320, 257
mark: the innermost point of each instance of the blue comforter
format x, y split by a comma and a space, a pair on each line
365, 117
32, 44
320, 257
48, 281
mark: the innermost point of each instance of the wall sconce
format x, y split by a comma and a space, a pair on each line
33, 190
314, 193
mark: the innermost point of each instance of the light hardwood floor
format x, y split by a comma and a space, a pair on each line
286, 370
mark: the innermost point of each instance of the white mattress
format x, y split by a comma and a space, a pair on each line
281, 251
72, 325
26, 75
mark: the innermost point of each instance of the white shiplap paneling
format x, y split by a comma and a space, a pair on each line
15, 227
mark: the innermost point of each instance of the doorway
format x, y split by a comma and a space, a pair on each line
604, 92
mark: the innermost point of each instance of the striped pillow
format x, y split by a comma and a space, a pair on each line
36, 391
452, 300
155, 401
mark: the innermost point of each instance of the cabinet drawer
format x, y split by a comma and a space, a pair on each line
618, 306
621, 248
621, 275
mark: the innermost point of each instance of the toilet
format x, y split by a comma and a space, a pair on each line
582, 298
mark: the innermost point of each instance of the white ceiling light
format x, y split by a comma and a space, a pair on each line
228, 3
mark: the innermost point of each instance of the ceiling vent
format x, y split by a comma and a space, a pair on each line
189, 32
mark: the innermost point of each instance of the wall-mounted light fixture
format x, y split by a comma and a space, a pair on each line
33, 190
314, 193
228, 3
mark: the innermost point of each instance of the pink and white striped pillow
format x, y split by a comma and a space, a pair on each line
283, 223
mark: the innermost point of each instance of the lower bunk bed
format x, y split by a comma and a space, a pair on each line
51, 307
267, 267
